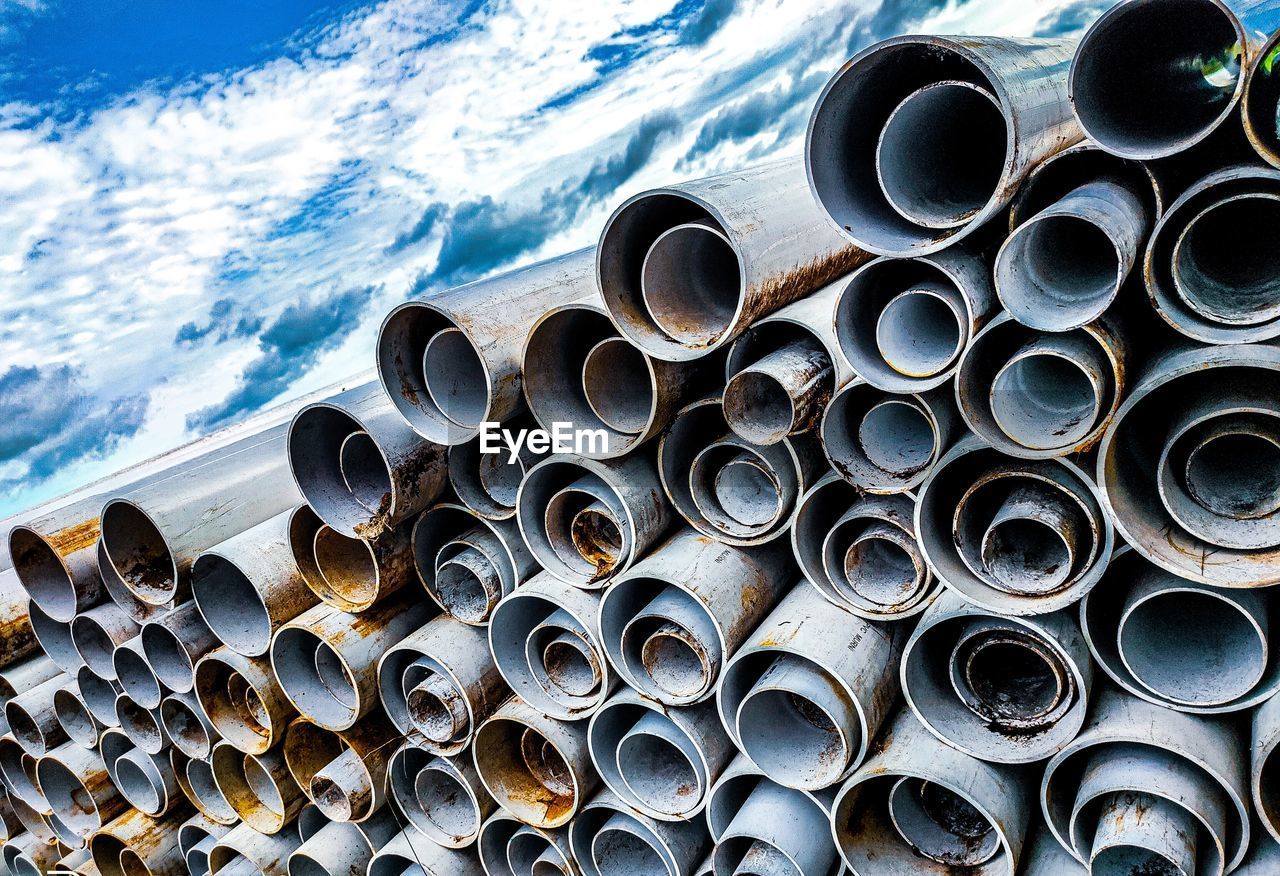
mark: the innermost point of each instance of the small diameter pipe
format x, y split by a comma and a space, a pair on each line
467, 563
243, 700
442, 798
344, 774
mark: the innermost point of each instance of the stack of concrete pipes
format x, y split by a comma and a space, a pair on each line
918, 511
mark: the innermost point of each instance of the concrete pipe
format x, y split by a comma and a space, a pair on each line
872, 153
537, 768
918, 806
145, 780
1015, 536
360, 467
243, 700
326, 660
441, 797
684, 270
447, 670
509, 848
609, 838
886, 443
861, 551
544, 641
259, 787
453, 361
586, 521
467, 563
661, 762
1001, 689
670, 624
802, 704
343, 773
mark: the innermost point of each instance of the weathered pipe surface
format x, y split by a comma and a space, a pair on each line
350, 574
509, 848
441, 797
175, 642
18, 678
16, 637
407, 853
96, 633
466, 562
609, 838
259, 787
135, 843
487, 483
344, 774
245, 851
243, 700
335, 848
146, 780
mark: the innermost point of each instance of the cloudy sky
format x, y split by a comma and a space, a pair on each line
208, 207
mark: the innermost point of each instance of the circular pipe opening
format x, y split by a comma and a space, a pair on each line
897, 437
618, 386
1235, 474
1045, 401
456, 378
1056, 271
231, 607
758, 407
941, 825
690, 283
919, 333
42, 573
138, 552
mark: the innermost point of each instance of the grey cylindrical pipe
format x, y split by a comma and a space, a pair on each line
16, 638
77, 720
1173, 93
206, 796
535, 767
360, 467
1064, 266
96, 634
872, 148
442, 798
609, 838
887, 443
243, 700
145, 780
486, 483
196, 838
1264, 766
21, 677
902, 323
326, 660
29, 855
175, 642
18, 770
467, 563
187, 726
259, 787
406, 852
32, 719
450, 667
803, 705
544, 640
120, 594
98, 695
154, 533
54, 638
350, 574
1065, 171
343, 773
684, 270
331, 848
670, 624
75, 782
142, 726
246, 587
135, 675
506, 847
1260, 103
246, 852
55, 565
861, 552
586, 521
453, 361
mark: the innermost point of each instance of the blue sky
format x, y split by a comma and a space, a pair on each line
208, 207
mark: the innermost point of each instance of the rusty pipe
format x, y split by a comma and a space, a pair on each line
487, 483
448, 668
243, 700
187, 726
146, 781
1065, 171
196, 838
18, 770
544, 640
1014, 536
96, 633
609, 838
537, 768
861, 552
453, 361
78, 788
887, 443
586, 521
326, 660
1002, 689
685, 269
509, 848
466, 562
344, 774
120, 594
28, 855
243, 851
16, 637
259, 787
441, 797
134, 673
351, 574
670, 624
871, 149
1260, 102
77, 721
1264, 778
805, 706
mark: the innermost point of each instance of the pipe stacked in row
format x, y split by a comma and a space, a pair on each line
924, 520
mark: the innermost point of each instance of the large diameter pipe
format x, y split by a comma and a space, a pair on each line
98, 696
135, 844
903, 323
1188, 465
586, 521
784, 368
18, 770
441, 797
77, 720
259, 787
537, 768
350, 574
919, 806
440, 681
57, 568
453, 362
359, 465
1178, 643
245, 588
120, 594
154, 533
343, 773
760, 827
142, 726
872, 150
487, 483
1036, 395
670, 624
16, 637
32, 719
544, 640
247, 852
467, 563
1129, 748
661, 762
802, 704
609, 838
1002, 689
1065, 171
54, 638
96, 633
861, 552
332, 848
730, 489
1146, 99
78, 788
1014, 536
326, 660
145, 780
883, 442
243, 700
1264, 766
1209, 268
684, 270
406, 853
28, 855
579, 370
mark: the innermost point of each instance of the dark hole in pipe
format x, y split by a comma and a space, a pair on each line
1235, 475
1228, 263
